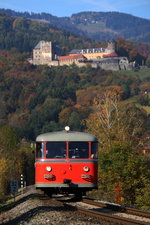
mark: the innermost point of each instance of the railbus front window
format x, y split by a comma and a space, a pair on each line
94, 149
39, 150
78, 150
55, 150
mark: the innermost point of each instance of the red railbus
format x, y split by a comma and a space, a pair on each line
66, 162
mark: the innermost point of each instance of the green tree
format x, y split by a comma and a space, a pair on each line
143, 197
25, 161
121, 166
17, 158
9, 141
74, 121
8, 150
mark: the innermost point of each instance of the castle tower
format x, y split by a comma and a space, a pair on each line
45, 52
42, 53
110, 48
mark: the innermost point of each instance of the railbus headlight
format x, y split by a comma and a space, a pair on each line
67, 128
86, 168
49, 169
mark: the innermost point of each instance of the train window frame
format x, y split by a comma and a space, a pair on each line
63, 154
39, 150
76, 151
94, 149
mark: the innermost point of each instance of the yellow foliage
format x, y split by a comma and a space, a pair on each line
112, 122
3, 177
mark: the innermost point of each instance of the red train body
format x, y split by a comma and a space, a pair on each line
66, 162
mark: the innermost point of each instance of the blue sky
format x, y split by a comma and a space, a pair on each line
140, 8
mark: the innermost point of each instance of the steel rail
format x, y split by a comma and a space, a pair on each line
111, 218
118, 208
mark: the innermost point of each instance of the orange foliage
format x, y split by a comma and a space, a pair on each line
28, 99
64, 115
86, 97
145, 86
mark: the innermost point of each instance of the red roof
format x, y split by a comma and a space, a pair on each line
113, 54
69, 57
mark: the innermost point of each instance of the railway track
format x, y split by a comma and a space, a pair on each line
118, 208
112, 218
112, 213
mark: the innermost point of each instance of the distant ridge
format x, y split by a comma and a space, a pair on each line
95, 25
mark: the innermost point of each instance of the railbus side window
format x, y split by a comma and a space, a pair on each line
94, 149
56, 150
79, 150
39, 150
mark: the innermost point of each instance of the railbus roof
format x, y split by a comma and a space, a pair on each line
66, 136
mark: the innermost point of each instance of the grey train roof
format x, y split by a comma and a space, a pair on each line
66, 136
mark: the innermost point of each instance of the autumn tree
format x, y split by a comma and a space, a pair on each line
144, 95
64, 115
114, 122
121, 168
3, 178
127, 48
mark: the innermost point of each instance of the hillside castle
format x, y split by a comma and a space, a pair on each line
47, 53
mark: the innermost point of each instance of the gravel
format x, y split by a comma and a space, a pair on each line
32, 209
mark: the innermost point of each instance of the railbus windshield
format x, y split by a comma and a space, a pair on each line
75, 150
78, 150
56, 150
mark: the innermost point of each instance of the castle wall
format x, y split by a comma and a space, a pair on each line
112, 63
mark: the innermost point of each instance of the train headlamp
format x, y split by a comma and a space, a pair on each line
49, 169
86, 168
67, 128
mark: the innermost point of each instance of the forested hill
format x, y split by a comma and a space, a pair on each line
23, 34
96, 25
